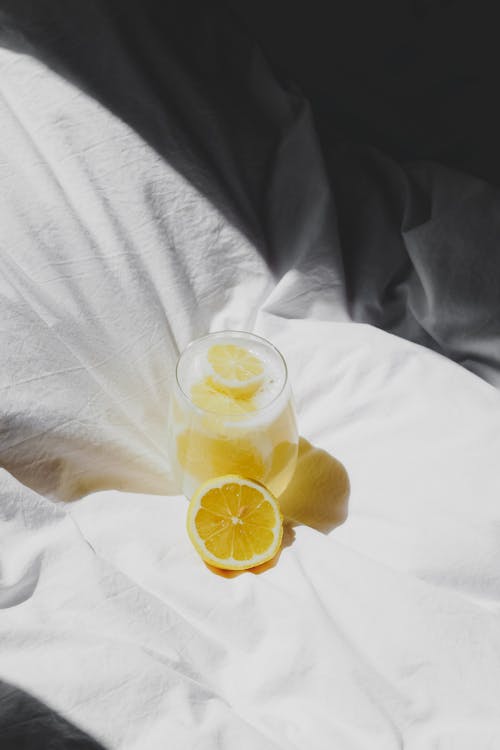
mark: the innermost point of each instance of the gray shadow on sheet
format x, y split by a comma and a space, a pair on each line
28, 724
317, 496
196, 90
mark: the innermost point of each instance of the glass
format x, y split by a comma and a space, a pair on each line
232, 412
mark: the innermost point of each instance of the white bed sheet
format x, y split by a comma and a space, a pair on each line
383, 633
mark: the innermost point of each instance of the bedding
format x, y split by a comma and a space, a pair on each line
128, 229
382, 633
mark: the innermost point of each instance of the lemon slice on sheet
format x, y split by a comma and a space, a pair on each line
234, 523
235, 370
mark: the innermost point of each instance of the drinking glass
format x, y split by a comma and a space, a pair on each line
220, 424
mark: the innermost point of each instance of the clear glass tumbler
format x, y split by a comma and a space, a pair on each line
232, 412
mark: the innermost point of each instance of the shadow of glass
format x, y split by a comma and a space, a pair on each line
318, 493
28, 724
317, 496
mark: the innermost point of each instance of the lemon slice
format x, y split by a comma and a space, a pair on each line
235, 370
207, 396
234, 523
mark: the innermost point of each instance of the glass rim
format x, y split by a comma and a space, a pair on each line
235, 417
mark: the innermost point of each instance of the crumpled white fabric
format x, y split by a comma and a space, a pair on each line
382, 634
111, 263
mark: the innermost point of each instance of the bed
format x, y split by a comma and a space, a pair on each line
134, 219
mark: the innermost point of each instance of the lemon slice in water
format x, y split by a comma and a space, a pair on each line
235, 370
